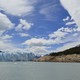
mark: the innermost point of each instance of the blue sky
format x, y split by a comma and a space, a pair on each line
39, 26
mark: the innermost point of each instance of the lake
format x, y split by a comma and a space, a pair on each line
39, 71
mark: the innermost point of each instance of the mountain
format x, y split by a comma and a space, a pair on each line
7, 56
69, 55
74, 50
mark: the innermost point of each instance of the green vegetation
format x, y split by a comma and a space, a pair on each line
74, 50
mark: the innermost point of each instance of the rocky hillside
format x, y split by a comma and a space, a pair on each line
70, 55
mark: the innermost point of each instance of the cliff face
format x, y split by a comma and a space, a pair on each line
70, 55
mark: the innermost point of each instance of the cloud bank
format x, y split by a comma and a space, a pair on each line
5, 22
17, 7
73, 7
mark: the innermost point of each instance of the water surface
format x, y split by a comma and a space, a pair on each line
39, 71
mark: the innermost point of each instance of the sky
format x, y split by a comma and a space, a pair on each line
39, 26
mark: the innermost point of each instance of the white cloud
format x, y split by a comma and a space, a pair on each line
57, 34
62, 35
68, 46
69, 40
78, 29
5, 42
73, 7
5, 45
70, 23
6, 37
5, 23
67, 36
38, 50
66, 19
62, 32
17, 7
23, 34
67, 30
38, 42
40, 45
24, 25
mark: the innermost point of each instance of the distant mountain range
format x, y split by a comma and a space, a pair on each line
6, 56
69, 55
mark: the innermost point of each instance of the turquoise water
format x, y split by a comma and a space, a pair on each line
39, 71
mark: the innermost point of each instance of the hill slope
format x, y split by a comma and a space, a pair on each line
70, 55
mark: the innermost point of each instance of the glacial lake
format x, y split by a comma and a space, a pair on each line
39, 71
